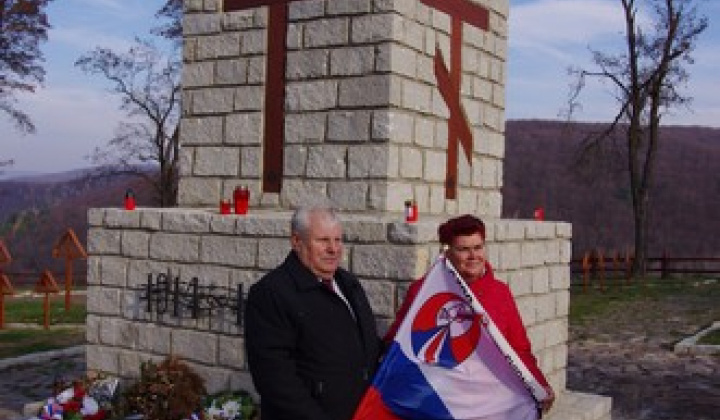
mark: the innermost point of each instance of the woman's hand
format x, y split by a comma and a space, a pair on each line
547, 403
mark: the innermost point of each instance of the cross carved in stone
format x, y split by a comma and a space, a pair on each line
460, 11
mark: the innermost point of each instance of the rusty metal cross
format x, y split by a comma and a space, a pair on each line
274, 127
460, 11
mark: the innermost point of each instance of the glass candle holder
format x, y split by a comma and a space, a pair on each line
224, 207
411, 211
241, 199
129, 200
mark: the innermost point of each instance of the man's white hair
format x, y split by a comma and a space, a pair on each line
300, 222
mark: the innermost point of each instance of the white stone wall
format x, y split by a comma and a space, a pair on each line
365, 123
384, 252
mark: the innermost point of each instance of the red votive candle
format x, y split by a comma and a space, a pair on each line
241, 199
224, 207
411, 212
129, 200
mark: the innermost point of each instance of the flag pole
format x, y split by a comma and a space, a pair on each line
537, 391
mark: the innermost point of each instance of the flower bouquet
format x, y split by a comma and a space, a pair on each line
231, 405
85, 399
166, 391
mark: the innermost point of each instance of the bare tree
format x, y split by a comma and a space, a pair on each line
646, 81
23, 27
172, 10
148, 83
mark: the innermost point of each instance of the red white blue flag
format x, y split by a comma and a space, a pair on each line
444, 364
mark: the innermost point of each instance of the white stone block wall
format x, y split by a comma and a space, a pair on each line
383, 251
365, 124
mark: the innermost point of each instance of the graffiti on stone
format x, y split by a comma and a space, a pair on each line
165, 295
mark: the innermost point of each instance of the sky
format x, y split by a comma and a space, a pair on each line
74, 113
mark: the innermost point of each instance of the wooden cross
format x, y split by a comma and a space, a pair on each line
274, 130
46, 285
5, 285
5, 257
69, 246
5, 289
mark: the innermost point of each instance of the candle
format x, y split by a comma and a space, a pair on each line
224, 207
129, 200
241, 198
411, 212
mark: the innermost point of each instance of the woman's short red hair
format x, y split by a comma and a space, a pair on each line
460, 226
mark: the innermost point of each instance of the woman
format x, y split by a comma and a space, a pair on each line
464, 239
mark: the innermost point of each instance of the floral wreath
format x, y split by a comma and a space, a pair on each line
82, 400
160, 385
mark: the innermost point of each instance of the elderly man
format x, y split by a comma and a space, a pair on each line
310, 333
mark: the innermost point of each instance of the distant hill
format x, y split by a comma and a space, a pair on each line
7, 174
36, 210
685, 196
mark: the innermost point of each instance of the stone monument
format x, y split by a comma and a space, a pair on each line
364, 103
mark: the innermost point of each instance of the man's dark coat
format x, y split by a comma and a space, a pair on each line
310, 359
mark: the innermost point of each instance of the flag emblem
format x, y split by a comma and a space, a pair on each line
445, 331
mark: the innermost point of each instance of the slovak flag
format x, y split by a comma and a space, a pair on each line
444, 364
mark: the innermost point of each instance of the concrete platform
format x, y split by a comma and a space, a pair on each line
579, 406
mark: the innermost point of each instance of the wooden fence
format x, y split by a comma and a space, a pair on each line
600, 268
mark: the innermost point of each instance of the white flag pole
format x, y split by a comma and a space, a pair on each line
536, 389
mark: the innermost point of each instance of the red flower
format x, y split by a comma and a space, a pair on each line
79, 391
72, 406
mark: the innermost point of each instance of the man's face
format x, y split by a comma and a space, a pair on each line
467, 254
321, 251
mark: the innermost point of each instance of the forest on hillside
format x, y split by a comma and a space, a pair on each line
539, 170
36, 212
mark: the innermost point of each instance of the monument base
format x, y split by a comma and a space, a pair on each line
580, 406
137, 312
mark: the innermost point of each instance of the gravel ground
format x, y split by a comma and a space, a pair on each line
31, 381
627, 353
